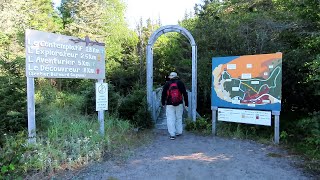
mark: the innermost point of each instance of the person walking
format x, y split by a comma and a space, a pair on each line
173, 94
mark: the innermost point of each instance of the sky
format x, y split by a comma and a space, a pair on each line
169, 11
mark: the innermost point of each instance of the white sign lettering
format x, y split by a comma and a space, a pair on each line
58, 56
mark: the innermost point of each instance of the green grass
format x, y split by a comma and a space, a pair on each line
66, 140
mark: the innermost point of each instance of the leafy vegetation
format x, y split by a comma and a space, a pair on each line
66, 140
65, 107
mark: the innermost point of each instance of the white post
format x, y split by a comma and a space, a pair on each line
101, 116
276, 126
190, 104
31, 111
214, 119
149, 77
194, 82
154, 108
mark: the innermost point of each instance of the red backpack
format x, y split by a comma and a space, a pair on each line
174, 94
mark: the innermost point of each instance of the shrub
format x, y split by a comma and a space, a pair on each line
13, 108
134, 108
69, 140
309, 132
201, 125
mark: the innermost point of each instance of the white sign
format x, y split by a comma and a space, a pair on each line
51, 55
245, 116
101, 96
246, 76
231, 66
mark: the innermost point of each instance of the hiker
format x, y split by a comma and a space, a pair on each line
172, 94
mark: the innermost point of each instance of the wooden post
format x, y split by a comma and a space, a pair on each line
214, 120
31, 111
101, 116
276, 126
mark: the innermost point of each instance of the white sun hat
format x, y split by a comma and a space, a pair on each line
173, 75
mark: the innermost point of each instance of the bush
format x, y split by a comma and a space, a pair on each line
309, 132
201, 125
134, 108
13, 109
67, 141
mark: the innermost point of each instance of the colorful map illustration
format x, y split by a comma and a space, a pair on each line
248, 82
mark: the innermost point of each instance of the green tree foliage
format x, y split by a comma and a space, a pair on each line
242, 27
16, 16
104, 21
227, 28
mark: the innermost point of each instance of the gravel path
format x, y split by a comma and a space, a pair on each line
198, 157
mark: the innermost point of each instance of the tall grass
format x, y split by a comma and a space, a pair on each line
66, 140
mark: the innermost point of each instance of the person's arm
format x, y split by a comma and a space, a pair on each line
183, 90
164, 94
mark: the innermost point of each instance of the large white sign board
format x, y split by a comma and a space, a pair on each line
51, 55
101, 96
245, 116
58, 56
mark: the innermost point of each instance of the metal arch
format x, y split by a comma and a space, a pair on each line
149, 56
171, 28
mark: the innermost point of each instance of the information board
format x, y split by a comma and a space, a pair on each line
245, 116
51, 55
247, 82
101, 96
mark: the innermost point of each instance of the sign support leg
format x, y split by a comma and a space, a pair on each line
214, 120
276, 126
31, 111
101, 116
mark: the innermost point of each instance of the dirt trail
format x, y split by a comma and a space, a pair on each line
197, 157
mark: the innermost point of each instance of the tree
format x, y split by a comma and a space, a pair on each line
16, 16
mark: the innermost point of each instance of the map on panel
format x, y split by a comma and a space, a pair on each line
247, 82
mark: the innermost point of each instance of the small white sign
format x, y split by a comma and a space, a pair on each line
235, 88
101, 96
246, 76
266, 101
270, 66
255, 82
235, 101
231, 66
249, 66
245, 116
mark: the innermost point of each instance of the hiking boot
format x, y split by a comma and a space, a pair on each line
178, 134
172, 138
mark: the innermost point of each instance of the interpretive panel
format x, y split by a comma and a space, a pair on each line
245, 116
247, 82
51, 55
